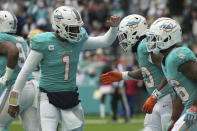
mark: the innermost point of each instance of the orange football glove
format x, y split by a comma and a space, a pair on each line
111, 77
149, 104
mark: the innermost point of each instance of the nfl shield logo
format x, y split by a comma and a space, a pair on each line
51, 47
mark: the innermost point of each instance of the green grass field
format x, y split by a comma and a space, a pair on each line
95, 123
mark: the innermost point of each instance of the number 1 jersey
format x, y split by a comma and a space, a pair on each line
60, 60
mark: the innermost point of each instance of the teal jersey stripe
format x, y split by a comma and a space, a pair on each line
5, 99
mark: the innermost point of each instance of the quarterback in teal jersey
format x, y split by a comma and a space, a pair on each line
180, 68
58, 54
132, 33
13, 53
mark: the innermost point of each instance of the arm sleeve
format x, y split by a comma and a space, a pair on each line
101, 41
32, 61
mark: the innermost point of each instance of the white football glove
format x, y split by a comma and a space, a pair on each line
3, 81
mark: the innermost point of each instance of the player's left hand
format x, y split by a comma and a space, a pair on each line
149, 104
13, 111
191, 115
3, 81
113, 21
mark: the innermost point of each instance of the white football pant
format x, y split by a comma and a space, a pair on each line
160, 117
28, 112
71, 119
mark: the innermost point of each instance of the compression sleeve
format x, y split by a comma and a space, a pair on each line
32, 61
101, 41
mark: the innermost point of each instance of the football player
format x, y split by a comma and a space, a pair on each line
179, 65
132, 36
58, 54
13, 53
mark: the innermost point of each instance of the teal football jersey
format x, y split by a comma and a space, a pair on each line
152, 75
185, 88
23, 52
60, 60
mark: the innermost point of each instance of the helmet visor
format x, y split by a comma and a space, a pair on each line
73, 33
151, 43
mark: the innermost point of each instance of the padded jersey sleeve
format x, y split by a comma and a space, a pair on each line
1, 39
36, 44
6, 37
182, 55
101, 41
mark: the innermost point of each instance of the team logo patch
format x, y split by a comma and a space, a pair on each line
133, 23
58, 16
181, 55
51, 47
167, 27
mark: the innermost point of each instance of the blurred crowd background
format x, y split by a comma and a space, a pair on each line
32, 14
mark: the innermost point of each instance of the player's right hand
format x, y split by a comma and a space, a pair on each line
149, 104
3, 81
191, 115
111, 77
170, 125
13, 111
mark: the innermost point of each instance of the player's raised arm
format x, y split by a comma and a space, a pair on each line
11, 51
118, 76
107, 39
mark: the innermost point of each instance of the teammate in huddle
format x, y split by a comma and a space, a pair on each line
180, 68
13, 53
132, 36
58, 54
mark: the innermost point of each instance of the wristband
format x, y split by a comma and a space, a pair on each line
14, 98
8, 73
156, 93
125, 76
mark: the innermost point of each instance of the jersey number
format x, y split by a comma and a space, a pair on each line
150, 83
22, 56
66, 62
181, 90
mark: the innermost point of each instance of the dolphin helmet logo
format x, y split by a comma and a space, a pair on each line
58, 16
133, 23
167, 27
